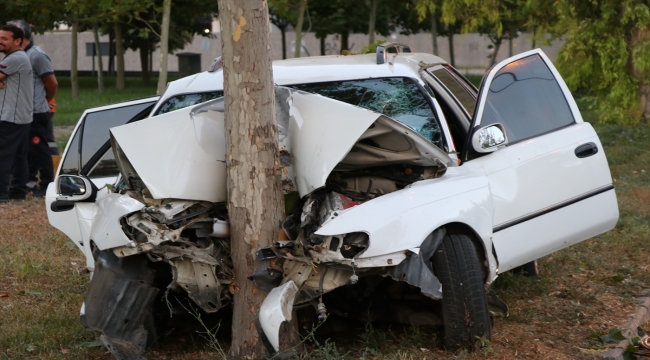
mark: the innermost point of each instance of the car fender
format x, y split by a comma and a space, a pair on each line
403, 219
106, 231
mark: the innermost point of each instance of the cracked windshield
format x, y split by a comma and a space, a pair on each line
397, 98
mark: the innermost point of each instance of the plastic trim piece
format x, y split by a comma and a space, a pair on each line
552, 208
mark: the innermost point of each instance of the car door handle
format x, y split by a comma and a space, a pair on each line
586, 150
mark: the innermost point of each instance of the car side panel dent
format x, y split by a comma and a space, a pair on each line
106, 231
403, 219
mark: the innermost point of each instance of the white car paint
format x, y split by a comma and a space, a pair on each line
276, 309
189, 171
76, 223
515, 173
566, 226
312, 70
106, 229
402, 219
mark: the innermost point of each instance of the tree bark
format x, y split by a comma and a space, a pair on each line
301, 18
283, 31
452, 61
434, 33
164, 47
74, 74
119, 55
100, 62
497, 46
534, 37
510, 46
255, 200
345, 36
322, 45
637, 39
144, 64
110, 70
372, 21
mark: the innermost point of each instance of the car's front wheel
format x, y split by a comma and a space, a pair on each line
464, 303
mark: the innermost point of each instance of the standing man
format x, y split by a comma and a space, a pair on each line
16, 106
41, 134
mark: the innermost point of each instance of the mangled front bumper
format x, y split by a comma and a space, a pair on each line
276, 309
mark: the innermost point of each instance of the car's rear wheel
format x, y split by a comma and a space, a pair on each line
464, 303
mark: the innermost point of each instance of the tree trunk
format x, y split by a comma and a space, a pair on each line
344, 41
301, 18
322, 45
255, 200
164, 47
100, 62
451, 50
119, 55
144, 64
497, 46
638, 38
434, 33
510, 46
74, 74
283, 31
534, 36
110, 70
372, 21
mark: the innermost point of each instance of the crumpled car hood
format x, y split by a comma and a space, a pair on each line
181, 154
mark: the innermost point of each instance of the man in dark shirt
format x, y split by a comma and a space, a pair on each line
41, 134
16, 108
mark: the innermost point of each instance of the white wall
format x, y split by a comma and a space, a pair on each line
470, 50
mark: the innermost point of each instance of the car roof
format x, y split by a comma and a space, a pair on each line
317, 69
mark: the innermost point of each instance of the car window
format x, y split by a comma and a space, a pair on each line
105, 166
525, 97
398, 98
96, 125
184, 100
461, 91
70, 165
93, 135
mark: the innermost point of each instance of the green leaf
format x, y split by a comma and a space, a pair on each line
628, 354
614, 335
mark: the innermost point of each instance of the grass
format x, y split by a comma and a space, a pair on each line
69, 110
583, 291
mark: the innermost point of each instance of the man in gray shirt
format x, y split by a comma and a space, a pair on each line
41, 134
16, 107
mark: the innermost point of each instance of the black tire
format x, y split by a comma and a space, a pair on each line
464, 303
530, 269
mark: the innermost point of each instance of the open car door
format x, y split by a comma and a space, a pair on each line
548, 175
87, 165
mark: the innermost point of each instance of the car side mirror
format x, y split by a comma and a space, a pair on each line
489, 138
74, 188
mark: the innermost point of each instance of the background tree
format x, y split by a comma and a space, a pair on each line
607, 55
164, 47
343, 18
302, 6
255, 200
143, 30
282, 14
513, 18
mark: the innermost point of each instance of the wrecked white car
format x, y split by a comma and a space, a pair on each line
395, 167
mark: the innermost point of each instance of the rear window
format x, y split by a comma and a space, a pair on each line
398, 98
184, 100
